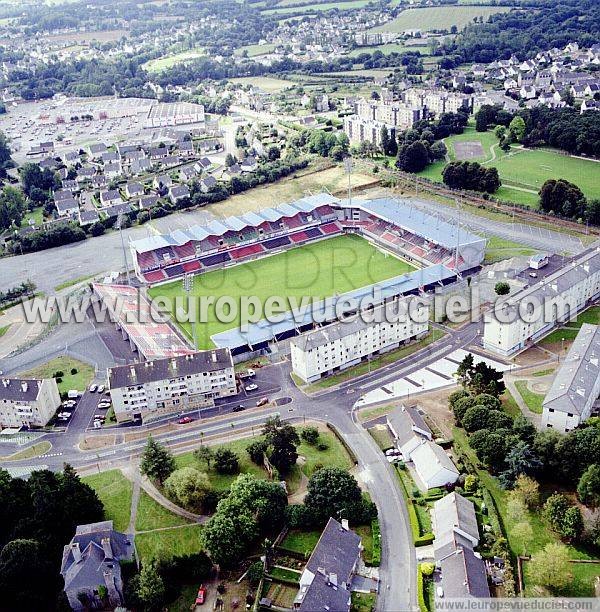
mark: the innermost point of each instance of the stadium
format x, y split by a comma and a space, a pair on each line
320, 246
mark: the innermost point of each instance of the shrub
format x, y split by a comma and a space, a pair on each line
376, 532
322, 446
226, 461
310, 435
73, 371
58, 374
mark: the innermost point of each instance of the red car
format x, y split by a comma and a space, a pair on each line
201, 597
185, 420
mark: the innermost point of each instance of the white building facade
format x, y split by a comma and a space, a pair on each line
344, 344
150, 389
525, 317
28, 402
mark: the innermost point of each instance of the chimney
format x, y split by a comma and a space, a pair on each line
214, 356
174, 364
76, 552
345, 525
24, 386
132, 372
107, 548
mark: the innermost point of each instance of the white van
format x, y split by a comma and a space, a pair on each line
72, 394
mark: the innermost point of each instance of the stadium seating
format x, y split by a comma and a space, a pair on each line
275, 243
247, 251
213, 260
330, 228
173, 271
165, 254
185, 251
191, 266
155, 276
293, 222
147, 261
299, 237
313, 232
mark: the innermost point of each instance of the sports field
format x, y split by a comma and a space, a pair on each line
167, 61
437, 18
318, 270
522, 171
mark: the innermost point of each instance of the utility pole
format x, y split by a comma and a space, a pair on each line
188, 285
348, 168
119, 226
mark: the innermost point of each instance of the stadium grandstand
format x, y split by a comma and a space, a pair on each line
131, 313
393, 224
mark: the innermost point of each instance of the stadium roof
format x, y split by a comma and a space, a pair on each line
233, 224
431, 227
325, 310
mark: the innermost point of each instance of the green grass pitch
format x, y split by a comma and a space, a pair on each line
318, 270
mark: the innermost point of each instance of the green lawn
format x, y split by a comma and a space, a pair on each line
318, 270
79, 381
363, 602
382, 437
162, 63
36, 215
317, 7
169, 542
437, 18
114, 491
366, 534
268, 84
509, 405
285, 574
301, 541
4, 329
498, 249
533, 400
567, 334
591, 315
151, 515
255, 50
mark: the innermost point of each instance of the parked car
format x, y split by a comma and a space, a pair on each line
185, 420
101, 388
251, 387
262, 401
73, 394
533, 274
97, 424
93, 388
239, 408
69, 404
201, 596
103, 405
99, 417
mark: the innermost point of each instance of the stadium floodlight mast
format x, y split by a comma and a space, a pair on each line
348, 168
188, 285
119, 226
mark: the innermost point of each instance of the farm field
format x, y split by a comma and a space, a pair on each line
254, 50
167, 61
268, 84
522, 171
438, 18
335, 265
316, 7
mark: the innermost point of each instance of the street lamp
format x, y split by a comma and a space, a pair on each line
119, 226
188, 285
348, 169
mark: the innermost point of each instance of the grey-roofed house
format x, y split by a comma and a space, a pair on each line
63, 194
66, 207
178, 192
455, 514
207, 183
112, 169
249, 164
112, 196
169, 161
161, 386
134, 189
203, 164
88, 216
576, 386
115, 210
162, 181
326, 579
110, 156
188, 173
97, 149
148, 201
91, 566
463, 573
408, 428
138, 166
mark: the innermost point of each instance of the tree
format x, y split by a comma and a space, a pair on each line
223, 540
206, 454
519, 460
517, 128
229, 160
562, 197
588, 488
255, 573
310, 435
273, 153
385, 140
150, 587
283, 441
528, 491
413, 157
331, 491
551, 567
572, 524
12, 207
471, 175
226, 461
188, 487
502, 288
256, 450
490, 447
157, 461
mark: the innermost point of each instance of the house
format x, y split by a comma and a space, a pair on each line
66, 207
326, 579
91, 566
27, 402
85, 174
112, 169
576, 386
157, 153
162, 181
96, 150
99, 181
230, 172
578, 90
455, 514
63, 194
134, 189
528, 92
188, 173
249, 164
110, 197
87, 217
590, 105
169, 161
71, 158
462, 570
203, 164
148, 201
207, 183
122, 208
110, 156
178, 192
592, 89
414, 440
139, 166
186, 148
47, 147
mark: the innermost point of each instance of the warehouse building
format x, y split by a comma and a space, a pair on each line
166, 114
522, 319
27, 402
341, 345
576, 386
150, 389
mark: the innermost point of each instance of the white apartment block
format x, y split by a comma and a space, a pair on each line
520, 320
393, 114
341, 345
150, 389
438, 102
364, 130
28, 402
576, 386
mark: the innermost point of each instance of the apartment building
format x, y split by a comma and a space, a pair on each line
150, 389
27, 402
576, 386
364, 130
393, 114
438, 101
525, 317
344, 344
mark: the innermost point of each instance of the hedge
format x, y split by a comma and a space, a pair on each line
337, 434
424, 540
421, 590
376, 534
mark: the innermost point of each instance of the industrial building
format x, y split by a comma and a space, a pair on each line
166, 114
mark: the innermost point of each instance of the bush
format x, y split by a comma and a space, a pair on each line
59, 380
376, 533
256, 451
73, 371
226, 461
58, 374
255, 574
310, 435
322, 446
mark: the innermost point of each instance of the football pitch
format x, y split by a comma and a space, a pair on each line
318, 270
